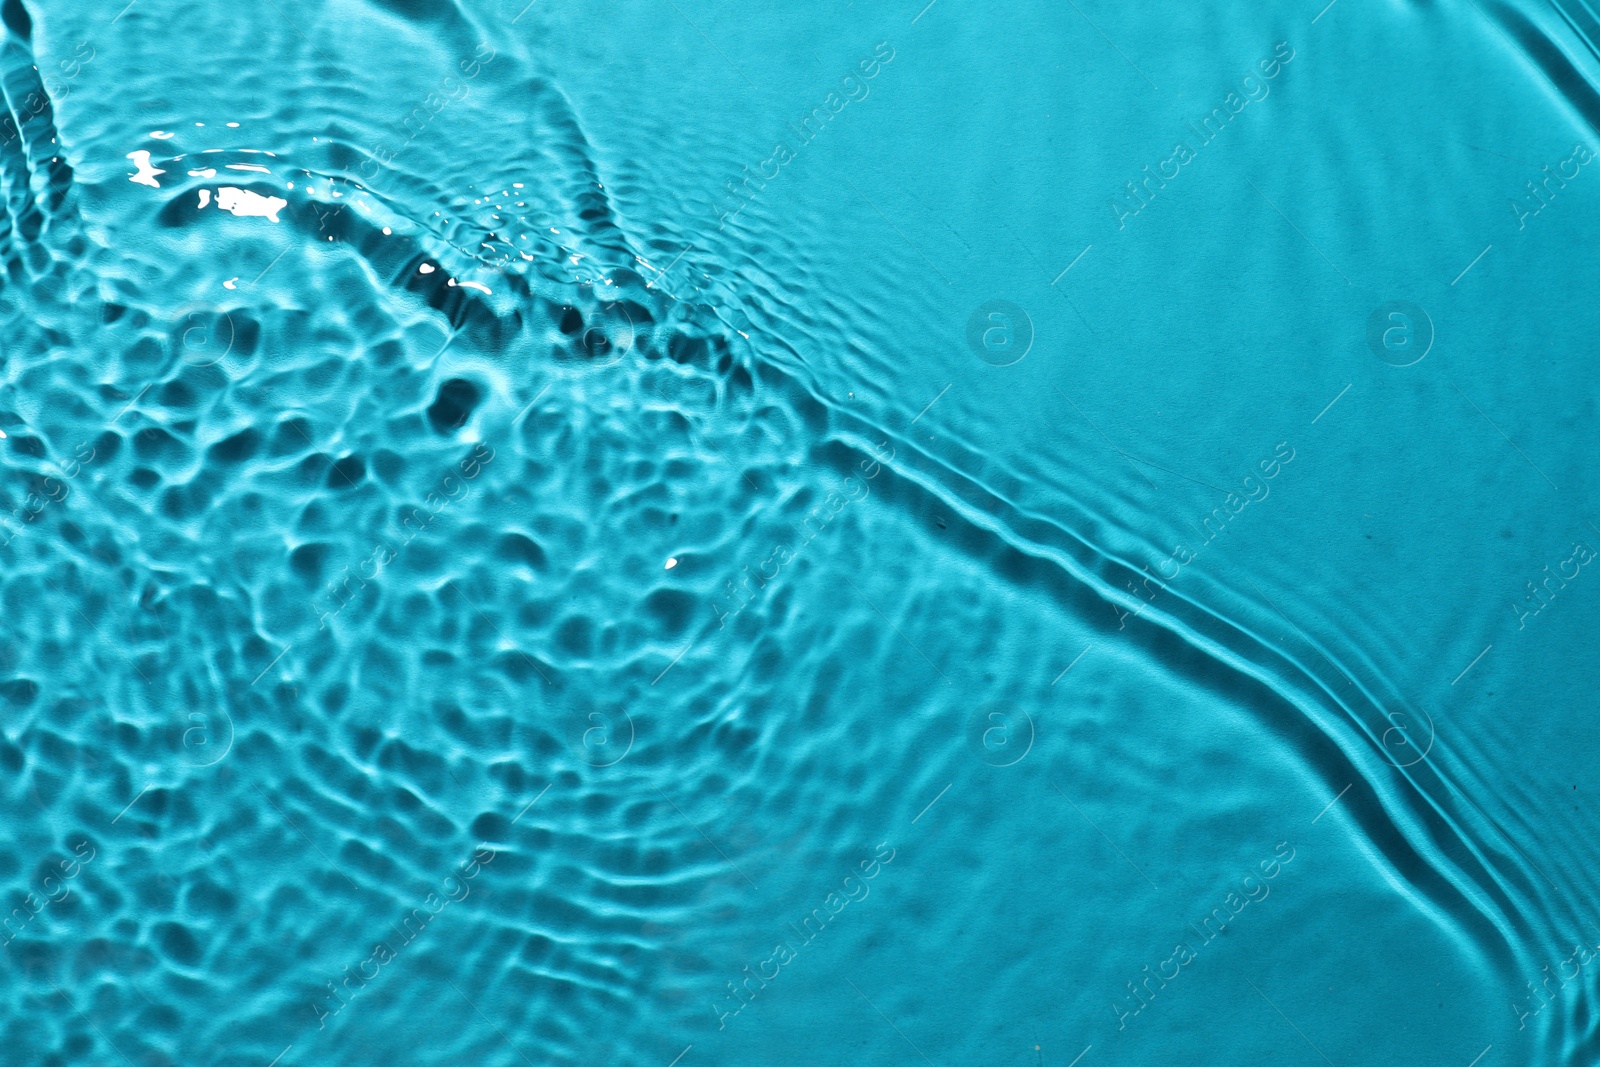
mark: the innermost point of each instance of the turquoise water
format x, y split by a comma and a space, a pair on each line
680, 534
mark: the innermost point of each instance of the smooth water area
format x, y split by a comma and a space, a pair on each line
687, 534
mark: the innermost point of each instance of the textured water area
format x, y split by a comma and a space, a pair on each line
676, 532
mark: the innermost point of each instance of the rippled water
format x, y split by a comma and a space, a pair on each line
681, 534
